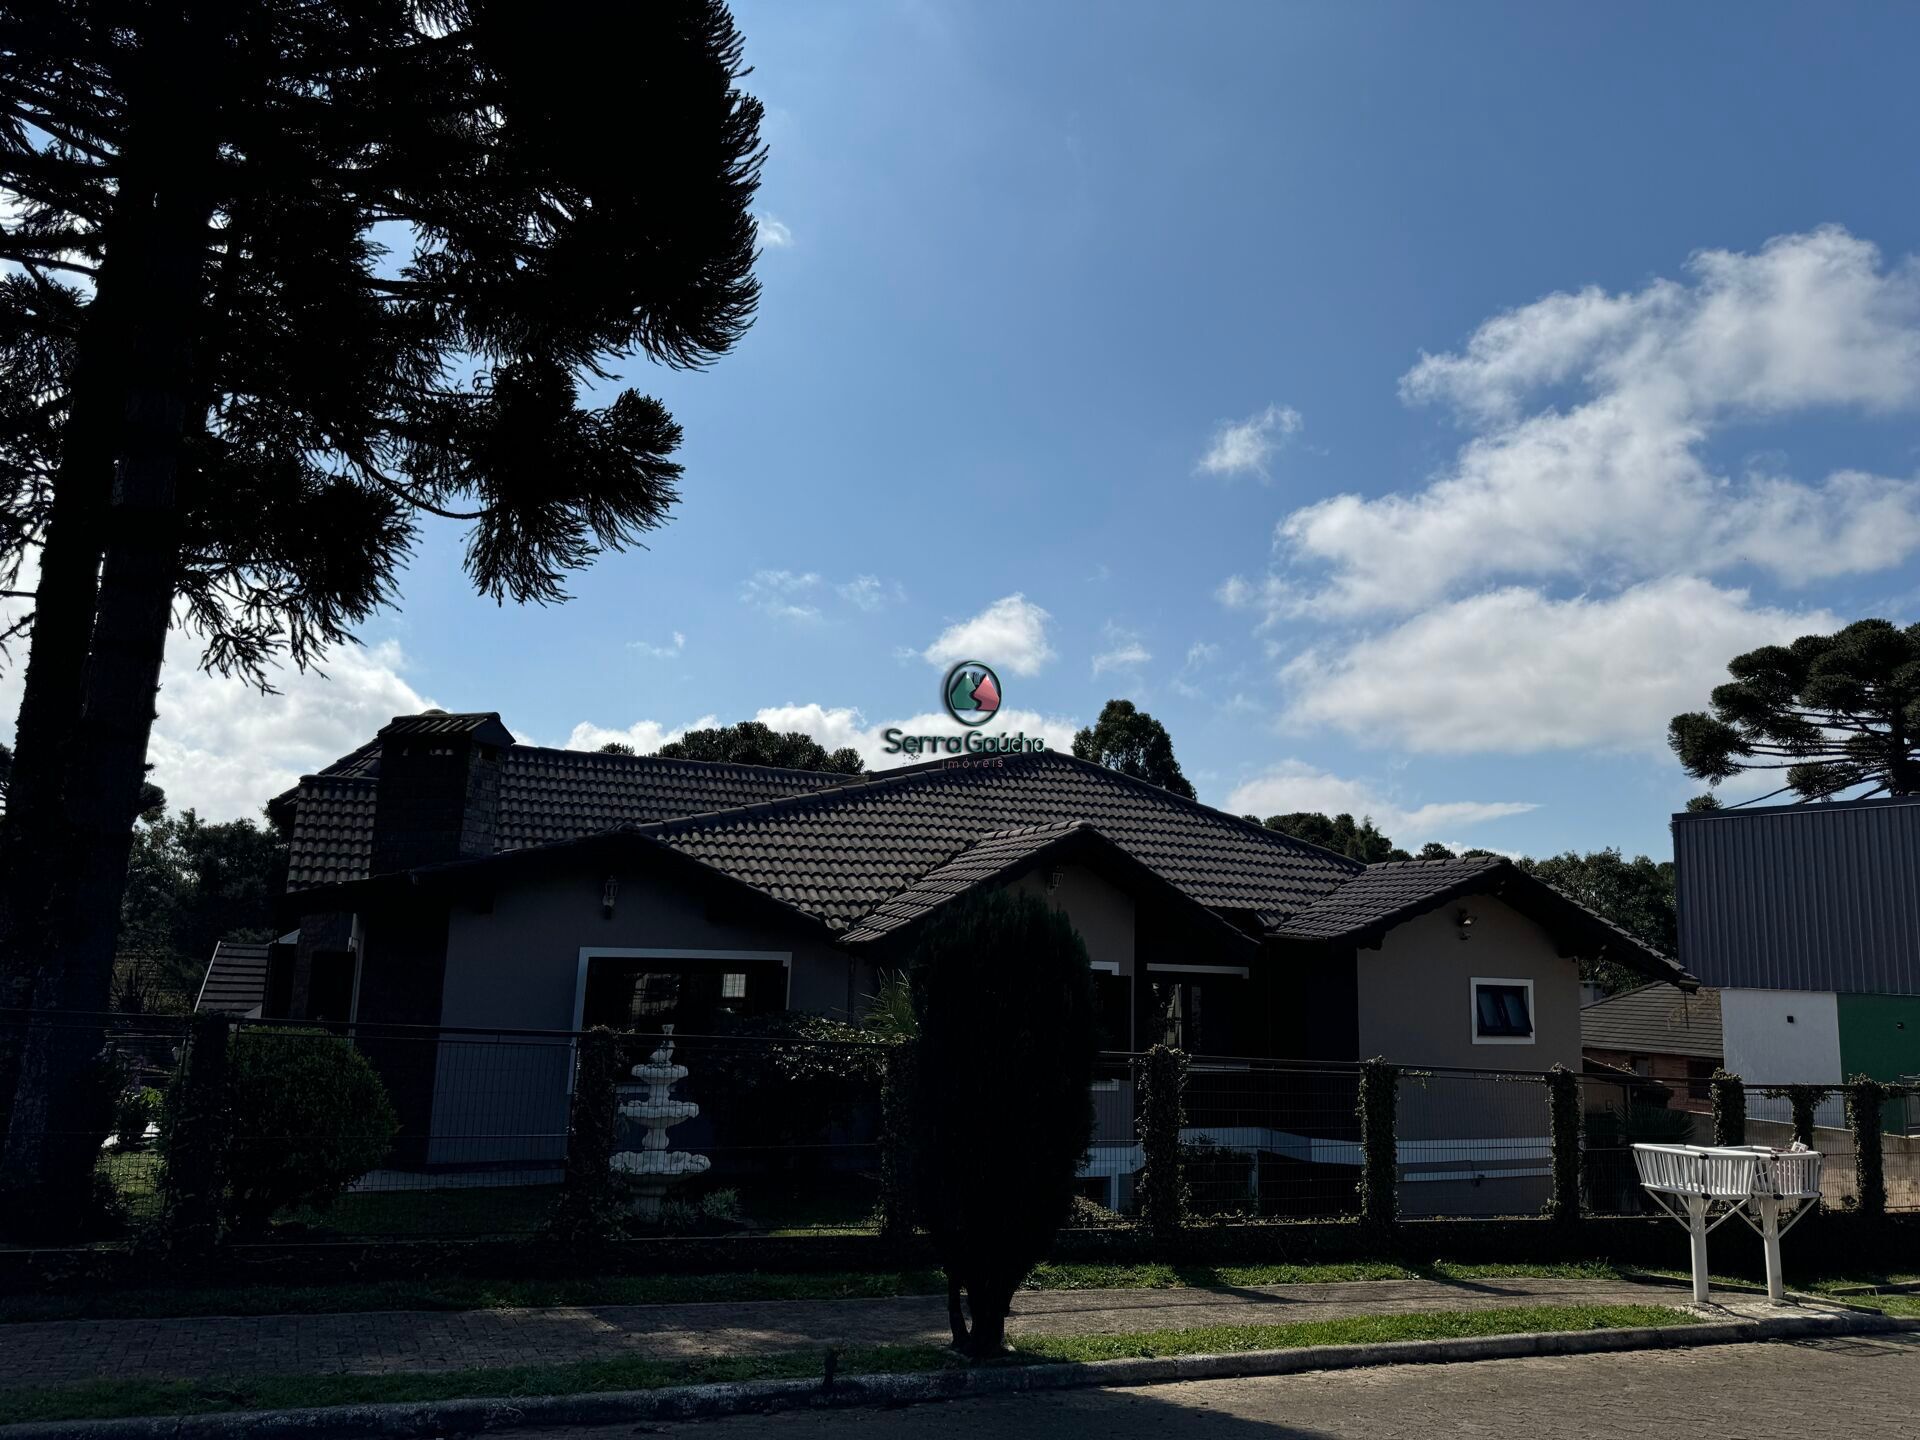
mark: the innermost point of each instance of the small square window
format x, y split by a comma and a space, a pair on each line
1502, 1011
733, 987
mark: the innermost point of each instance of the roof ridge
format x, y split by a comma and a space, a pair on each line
832, 778
1278, 839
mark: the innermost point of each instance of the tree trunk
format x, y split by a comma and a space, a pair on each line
49, 1147
989, 1305
64, 601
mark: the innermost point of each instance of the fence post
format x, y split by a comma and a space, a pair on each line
1163, 1110
1865, 1098
588, 1209
1563, 1117
898, 1074
197, 1137
1380, 1158
1804, 1100
1729, 1109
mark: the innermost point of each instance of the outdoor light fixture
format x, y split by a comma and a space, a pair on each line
607, 897
1053, 878
1464, 921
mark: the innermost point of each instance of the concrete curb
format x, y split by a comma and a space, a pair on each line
429, 1420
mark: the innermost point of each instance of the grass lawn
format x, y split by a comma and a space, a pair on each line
482, 1294
110, 1399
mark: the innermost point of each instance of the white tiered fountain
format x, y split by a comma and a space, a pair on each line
653, 1169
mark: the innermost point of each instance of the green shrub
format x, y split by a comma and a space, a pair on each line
1379, 1147
132, 1113
1162, 1192
590, 1209
310, 1117
1866, 1097
1003, 1109
196, 1136
1729, 1108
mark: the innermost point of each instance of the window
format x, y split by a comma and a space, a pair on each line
1502, 1012
691, 993
733, 986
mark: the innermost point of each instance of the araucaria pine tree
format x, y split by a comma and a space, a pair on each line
1829, 714
287, 276
1002, 1108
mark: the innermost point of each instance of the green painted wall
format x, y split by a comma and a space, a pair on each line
1879, 1035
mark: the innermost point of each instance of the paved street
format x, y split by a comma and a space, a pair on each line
1782, 1391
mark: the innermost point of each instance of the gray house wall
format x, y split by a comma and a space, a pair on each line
518, 966
1483, 1143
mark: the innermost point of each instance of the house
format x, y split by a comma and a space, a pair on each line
445, 875
1658, 1033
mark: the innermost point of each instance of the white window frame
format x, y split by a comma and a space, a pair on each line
1473, 1011
590, 953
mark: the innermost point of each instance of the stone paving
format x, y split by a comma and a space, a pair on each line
59, 1352
1858, 1387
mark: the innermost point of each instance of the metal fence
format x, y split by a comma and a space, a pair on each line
790, 1129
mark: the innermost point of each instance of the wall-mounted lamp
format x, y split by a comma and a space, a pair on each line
608, 894
1463, 921
1053, 877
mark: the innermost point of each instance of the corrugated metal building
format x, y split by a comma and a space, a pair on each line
1807, 917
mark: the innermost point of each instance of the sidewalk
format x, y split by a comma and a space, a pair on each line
389, 1342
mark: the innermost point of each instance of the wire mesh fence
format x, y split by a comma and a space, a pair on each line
379, 1132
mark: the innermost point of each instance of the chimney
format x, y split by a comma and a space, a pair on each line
438, 797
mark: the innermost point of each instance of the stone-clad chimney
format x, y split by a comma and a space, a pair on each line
438, 797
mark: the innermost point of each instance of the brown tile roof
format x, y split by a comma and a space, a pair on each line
1383, 894
1365, 908
1655, 1020
236, 982
839, 854
984, 860
332, 830
545, 795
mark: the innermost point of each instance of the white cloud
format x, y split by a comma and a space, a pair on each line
224, 749
1591, 412
1295, 785
1124, 650
645, 736
771, 234
1243, 447
661, 652
1516, 671
838, 726
782, 594
870, 592
1010, 634
1201, 653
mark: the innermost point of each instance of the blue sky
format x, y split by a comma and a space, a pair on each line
1081, 320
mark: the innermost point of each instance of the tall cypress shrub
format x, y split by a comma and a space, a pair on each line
1003, 1110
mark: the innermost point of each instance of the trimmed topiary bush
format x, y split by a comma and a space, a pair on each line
1003, 1111
1729, 1108
310, 1117
1162, 1194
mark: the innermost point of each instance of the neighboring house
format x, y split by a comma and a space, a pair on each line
1658, 1033
1807, 920
444, 875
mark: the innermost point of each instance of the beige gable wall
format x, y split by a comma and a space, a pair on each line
1100, 910
1415, 991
